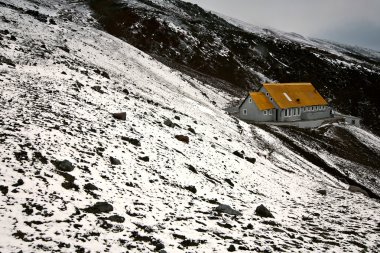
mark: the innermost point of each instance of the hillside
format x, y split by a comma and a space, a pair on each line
76, 177
241, 57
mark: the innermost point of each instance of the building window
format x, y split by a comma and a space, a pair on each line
312, 108
245, 112
265, 112
271, 99
267, 94
270, 112
288, 112
250, 100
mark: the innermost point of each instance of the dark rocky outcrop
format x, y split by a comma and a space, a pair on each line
322, 192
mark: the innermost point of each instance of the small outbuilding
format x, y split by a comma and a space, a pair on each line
283, 102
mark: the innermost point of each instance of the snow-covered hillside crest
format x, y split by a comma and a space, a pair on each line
60, 83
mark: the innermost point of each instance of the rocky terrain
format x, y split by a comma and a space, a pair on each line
239, 57
105, 149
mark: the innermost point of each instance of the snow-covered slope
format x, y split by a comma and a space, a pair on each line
62, 80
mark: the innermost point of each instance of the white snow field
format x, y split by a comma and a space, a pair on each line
56, 104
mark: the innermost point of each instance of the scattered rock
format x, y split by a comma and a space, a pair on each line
168, 123
192, 168
228, 181
21, 156
116, 218
90, 187
125, 91
64, 165
98, 89
322, 192
133, 141
69, 181
13, 38
64, 48
177, 117
19, 183
4, 189
249, 226
115, 161
183, 138
191, 130
40, 157
144, 158
251, 159
192, 243
105, 74
262, 211
231, 248
353, 188
226, 209
52, 22
239, 154
99, 207
191, 189
120, 115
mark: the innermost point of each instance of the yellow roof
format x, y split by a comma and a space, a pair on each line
288, 95
261, 100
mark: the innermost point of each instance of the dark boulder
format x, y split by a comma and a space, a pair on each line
114, 161
183, 138
262, 211
64, 165
99, 207
120, 115
226, 209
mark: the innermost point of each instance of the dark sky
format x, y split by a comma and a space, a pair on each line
353, 22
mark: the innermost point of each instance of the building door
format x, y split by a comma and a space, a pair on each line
277, 112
